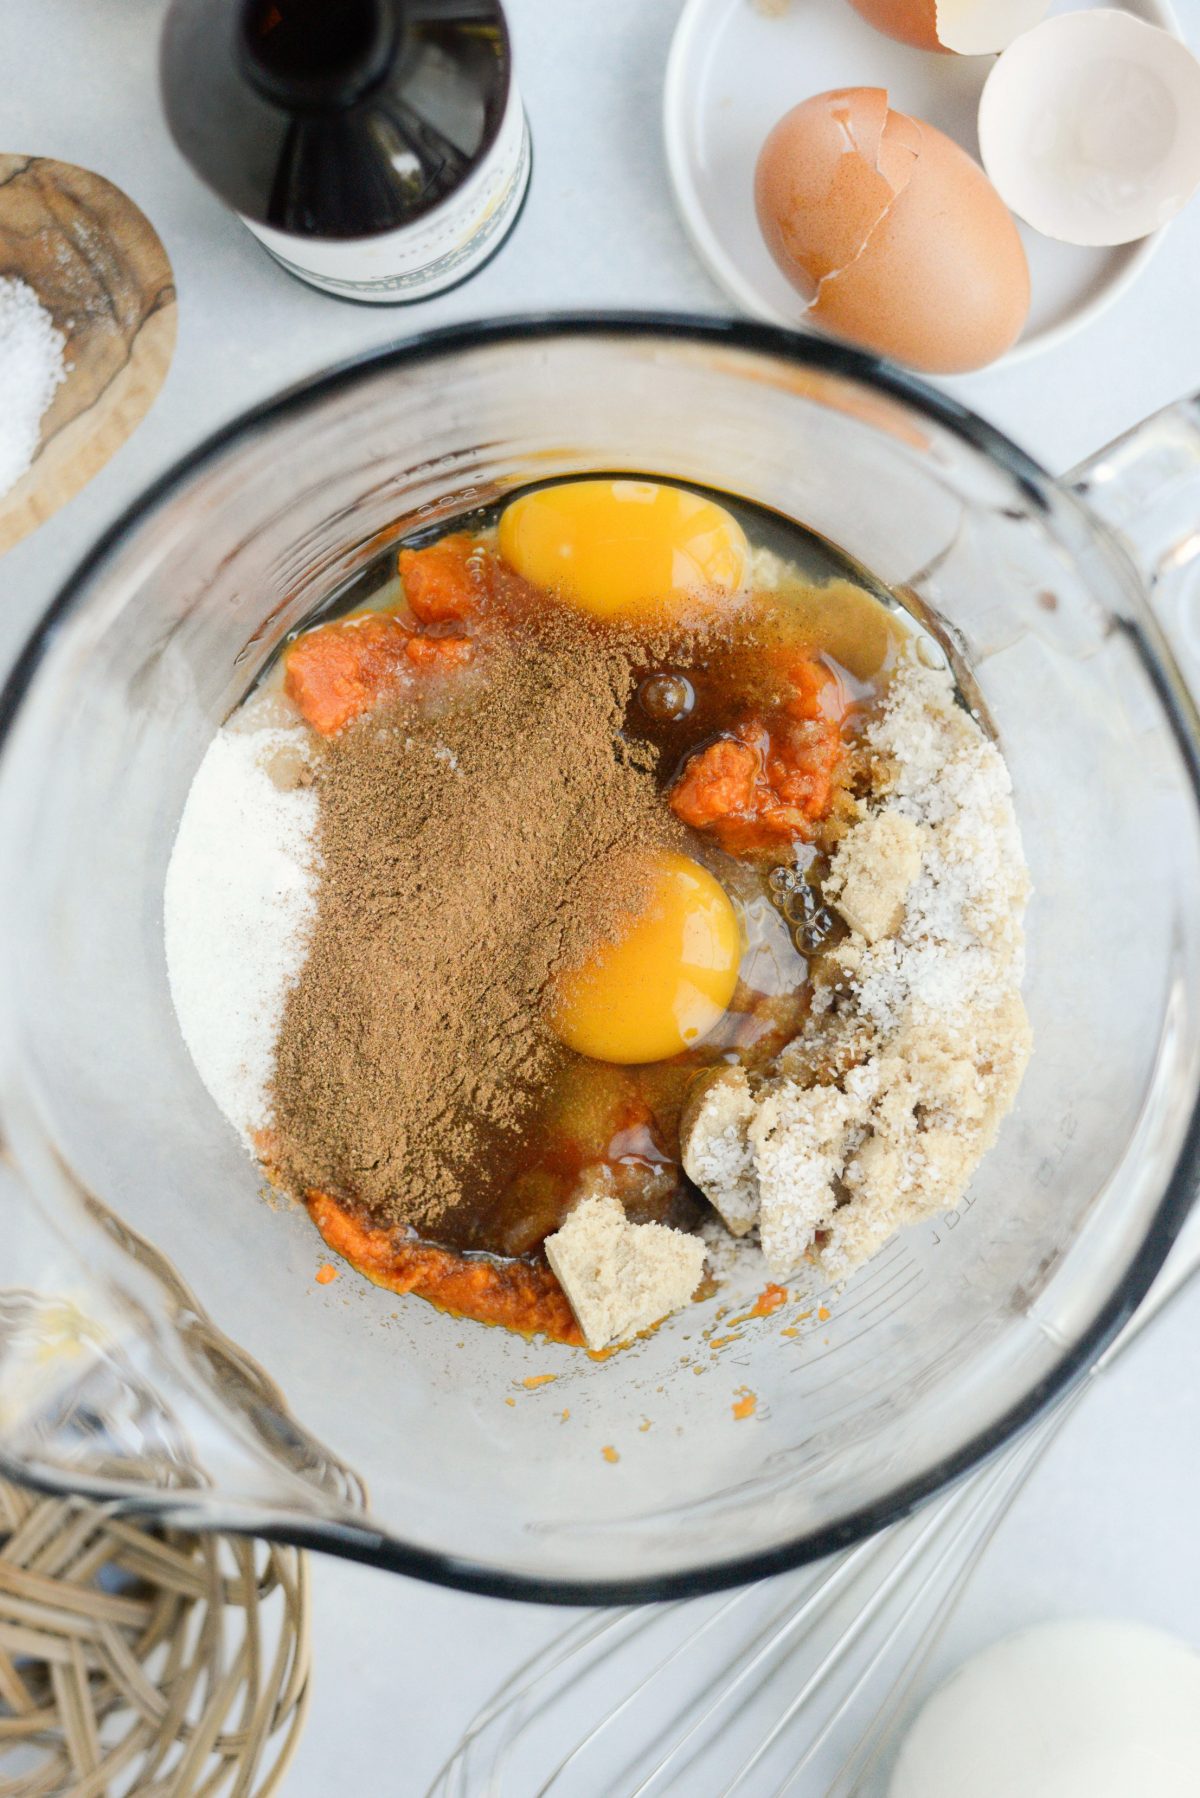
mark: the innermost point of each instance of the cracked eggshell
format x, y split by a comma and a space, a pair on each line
824, 180
966, 27
894, 237
1089, 126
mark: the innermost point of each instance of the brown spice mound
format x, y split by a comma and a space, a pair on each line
459, 854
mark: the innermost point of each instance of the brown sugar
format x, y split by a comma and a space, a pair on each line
881, 1109
462, 850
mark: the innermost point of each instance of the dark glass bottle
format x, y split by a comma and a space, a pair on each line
378, 148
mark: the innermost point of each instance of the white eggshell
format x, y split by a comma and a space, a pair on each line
978, 27
1089, 127
1066, 1710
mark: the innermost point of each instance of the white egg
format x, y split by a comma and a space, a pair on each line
1089, 127
1066, 1710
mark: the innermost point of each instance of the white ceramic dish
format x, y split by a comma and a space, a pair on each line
736, 66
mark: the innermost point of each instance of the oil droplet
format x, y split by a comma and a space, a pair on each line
666, 697
815, 930
745, 1403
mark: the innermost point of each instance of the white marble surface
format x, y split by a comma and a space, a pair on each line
1108, 1524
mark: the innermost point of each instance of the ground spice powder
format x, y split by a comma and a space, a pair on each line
463, 851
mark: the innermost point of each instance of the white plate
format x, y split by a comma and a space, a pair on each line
736, 66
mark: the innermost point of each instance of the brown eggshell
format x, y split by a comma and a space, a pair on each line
908, 21
942, 283
823, 182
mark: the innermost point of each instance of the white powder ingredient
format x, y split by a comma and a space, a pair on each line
239, 903
31, 368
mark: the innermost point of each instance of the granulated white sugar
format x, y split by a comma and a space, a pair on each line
31, 368
239, 902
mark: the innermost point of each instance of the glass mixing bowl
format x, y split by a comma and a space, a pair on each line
379, 1427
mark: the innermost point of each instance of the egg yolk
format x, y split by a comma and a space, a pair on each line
664, 979
622, 548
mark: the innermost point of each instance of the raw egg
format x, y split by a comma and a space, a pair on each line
623, 548
970, 27
894, 236
664, 979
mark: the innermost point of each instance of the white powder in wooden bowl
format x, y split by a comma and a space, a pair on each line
31, 368
239, 902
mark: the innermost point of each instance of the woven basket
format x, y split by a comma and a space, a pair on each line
138, 1660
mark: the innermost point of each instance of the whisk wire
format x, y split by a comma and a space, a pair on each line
750, 1715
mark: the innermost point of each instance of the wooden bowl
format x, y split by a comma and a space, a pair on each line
98, 268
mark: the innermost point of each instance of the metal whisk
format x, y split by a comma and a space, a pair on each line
795, 1685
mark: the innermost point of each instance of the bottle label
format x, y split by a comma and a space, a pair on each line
431, 254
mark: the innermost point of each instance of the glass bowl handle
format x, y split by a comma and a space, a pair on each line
99, 1396
1146, 488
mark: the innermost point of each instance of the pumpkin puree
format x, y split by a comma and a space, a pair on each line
519, 1295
